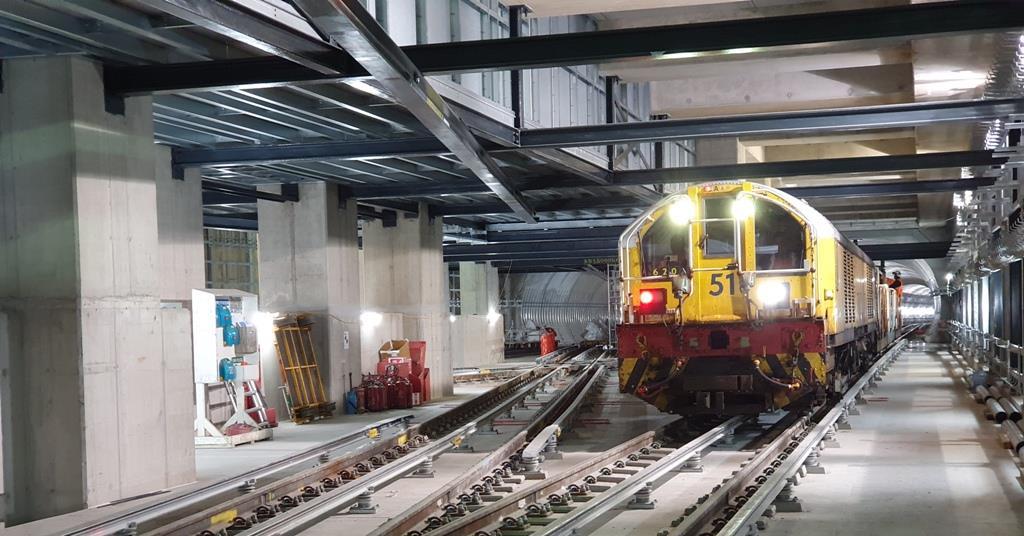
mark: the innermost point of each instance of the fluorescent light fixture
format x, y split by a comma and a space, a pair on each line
492, 316
371, 319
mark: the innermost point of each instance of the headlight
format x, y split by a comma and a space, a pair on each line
774, 294
743, 207
681, 211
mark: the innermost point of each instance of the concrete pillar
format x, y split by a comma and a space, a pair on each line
182, 265
309, 263
404, 273
180, 228
478, 286
478, 333
93, 378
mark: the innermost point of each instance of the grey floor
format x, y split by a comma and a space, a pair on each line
921, 460
289, 438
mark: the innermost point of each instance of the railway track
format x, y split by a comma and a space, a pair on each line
287, 496
584, 497
507, 492
764, 484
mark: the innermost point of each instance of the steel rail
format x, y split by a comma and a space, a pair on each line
761, 500
410, 518
700, 514
493, 513
315, 511
598, 506
173, 505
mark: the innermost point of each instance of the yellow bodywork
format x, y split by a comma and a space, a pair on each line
835, 284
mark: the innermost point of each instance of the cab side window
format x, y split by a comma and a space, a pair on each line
665, 248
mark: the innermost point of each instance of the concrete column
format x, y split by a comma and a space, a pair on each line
478, 286
92, 377
478, 333
309, 263
180, 228
404, 273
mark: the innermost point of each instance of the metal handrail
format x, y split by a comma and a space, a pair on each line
198, 496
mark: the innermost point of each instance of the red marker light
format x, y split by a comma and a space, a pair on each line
646, 297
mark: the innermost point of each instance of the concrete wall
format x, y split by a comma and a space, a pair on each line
404, 273
309, 262
80, 281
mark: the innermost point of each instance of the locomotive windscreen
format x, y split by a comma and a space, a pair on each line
719, 236
778, 237
665, 248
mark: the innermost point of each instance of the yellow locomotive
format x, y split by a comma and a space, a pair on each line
738, 298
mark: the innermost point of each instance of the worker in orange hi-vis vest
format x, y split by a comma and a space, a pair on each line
896, 282
548, 341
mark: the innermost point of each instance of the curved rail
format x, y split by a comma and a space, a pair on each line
352, 492
543, 429
130, 520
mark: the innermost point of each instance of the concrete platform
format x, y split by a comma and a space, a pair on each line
289, 438
216, 464
921, 459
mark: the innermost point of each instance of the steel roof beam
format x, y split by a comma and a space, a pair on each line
230, 222
756, 170
591, 249
350, 26
580, 48
892, 188
831, 120
806, 192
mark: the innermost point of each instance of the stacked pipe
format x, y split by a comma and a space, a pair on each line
1004, 409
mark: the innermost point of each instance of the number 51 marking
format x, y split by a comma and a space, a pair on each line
718, 287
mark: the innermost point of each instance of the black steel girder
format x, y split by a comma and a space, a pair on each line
289, 192
807, 192
245, 222
350, 26
583, 250
929, 19
833, 120
572, 248
539, 235
580, 255
757, 170
892, 188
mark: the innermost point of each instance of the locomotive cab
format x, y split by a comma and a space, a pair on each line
728, 301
